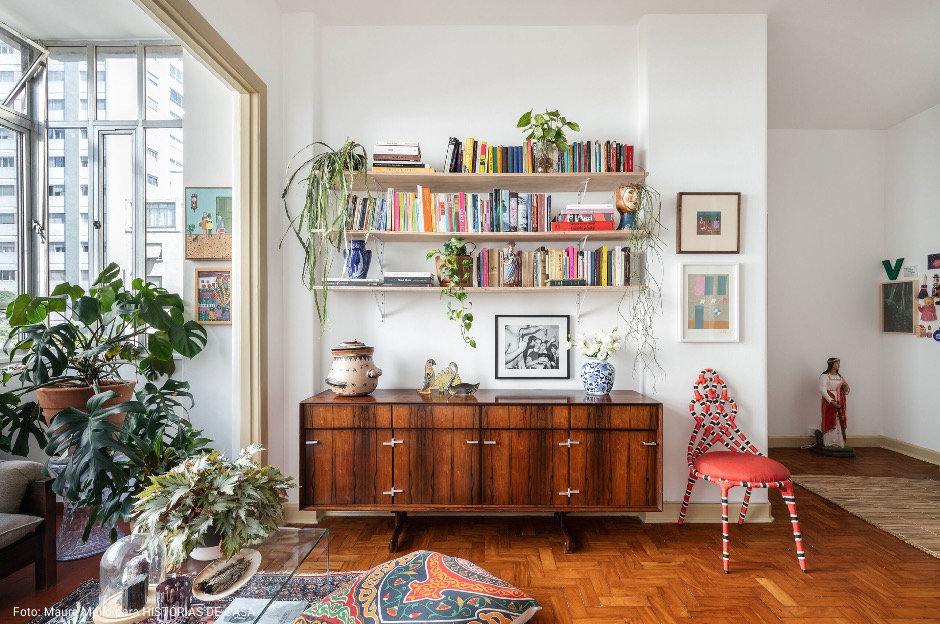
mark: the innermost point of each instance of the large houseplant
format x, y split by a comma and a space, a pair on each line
548, 131
239, 499
454, 271
84, 343
320, 224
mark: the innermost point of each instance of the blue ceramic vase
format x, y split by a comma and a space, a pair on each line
597, 376
357, 260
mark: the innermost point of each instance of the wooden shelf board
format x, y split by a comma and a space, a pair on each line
499, 289
486, 182
417, 237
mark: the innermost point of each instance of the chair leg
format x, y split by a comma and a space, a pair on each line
685, 499
726, 558
790, 499
747, 500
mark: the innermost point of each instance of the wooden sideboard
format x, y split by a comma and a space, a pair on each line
499, 450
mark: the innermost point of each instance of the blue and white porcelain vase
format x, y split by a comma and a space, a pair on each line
597, 376
357, 260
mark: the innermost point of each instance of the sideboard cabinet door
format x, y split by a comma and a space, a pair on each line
348, 467
614, 468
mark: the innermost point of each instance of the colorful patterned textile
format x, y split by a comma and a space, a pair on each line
424, 587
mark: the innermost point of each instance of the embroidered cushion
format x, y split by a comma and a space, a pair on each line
423, 586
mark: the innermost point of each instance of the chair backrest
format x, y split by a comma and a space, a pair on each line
714, 412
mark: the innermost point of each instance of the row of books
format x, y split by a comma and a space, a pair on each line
472, 156
424, 211
398, 157
389, 278
584, 218
553, 267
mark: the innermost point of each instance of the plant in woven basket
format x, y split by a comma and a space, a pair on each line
239, 499
454, 271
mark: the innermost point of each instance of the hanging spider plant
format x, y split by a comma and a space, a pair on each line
320, 226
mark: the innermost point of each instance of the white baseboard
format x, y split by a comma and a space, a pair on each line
878, 441
294, 515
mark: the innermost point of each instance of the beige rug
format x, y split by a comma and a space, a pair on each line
909, 509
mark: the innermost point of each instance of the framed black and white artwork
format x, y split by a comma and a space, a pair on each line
532, 347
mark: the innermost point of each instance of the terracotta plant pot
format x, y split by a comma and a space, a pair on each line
55, 399
464, 269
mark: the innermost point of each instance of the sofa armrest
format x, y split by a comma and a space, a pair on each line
39, 500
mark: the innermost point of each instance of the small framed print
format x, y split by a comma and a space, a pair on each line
532, 347
709, 302
898, 312
214, 296
708, 223
209, 225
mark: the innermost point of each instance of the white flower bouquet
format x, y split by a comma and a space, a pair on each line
601, 345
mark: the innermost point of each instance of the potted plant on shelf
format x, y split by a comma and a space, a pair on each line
238, 499
548, 131
73, 345
320, 224
455, 271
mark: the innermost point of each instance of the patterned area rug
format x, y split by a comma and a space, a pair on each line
78, 606
909, 509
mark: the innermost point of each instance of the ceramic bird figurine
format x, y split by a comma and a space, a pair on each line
460, 389
428, 376
445, 377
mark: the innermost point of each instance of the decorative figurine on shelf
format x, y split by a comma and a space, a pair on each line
510, 262
428, 376
444, 378
358, 259
830, 438
460, 389
627, 203
928, 311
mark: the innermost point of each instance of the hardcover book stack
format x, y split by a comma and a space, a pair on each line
408, 278
584, 218
473, 156
555, 267
398, 157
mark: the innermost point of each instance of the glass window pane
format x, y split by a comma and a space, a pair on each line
9, 230
67, 85
68, 207
164, 83
117, 83
117, 175
164, 208
16, 57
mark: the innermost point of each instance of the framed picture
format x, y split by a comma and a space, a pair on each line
709, 302
214, 296
898, 312
708, 223
208, 223
532, 347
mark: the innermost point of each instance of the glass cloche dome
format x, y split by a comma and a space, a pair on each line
131, 569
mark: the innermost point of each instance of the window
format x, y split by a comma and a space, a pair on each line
56, 190
7, 218
58, 105
84, 161
8, 275
7, 161
56, 134
84, 134
84, 274
161, 214
56, 76
7, 247
57, 161
151, 103
152, 180
7, 76
56, 218
57, 247
176, 73
152, 153
56, 276
85, 247
6, 49
176, 97
7, 190
84, 189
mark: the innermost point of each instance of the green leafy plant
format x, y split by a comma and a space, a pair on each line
74, 338
454, 269
320, 224
547, 127
239, 499
109, 464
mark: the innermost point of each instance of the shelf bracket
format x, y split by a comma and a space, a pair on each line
578, 305
380, 303
583, 243
380, 254
583, 190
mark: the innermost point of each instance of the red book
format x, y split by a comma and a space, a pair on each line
629, 165
582, 226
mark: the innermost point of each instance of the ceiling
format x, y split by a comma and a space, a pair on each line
833, 64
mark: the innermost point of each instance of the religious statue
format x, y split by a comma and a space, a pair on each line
510, 265
830, 437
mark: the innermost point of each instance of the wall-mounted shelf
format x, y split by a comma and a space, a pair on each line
419, 237
486, 182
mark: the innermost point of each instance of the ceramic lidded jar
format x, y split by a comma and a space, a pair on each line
353, 373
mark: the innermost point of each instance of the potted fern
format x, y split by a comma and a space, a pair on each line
238, 500
454, 271
548, 131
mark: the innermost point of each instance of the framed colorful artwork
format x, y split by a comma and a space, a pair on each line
209, 223
708, 223
532, 347
898, 312
709, 303
214, 296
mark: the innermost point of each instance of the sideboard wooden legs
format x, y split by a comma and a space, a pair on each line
400, 518
569, 545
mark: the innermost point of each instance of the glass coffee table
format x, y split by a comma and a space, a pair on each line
273, 594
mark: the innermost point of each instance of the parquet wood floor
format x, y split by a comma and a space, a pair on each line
626, 571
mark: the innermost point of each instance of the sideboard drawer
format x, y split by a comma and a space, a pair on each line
640, 417
347, 416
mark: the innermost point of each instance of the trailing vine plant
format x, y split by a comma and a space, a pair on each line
640, 307
453, 270
320, 225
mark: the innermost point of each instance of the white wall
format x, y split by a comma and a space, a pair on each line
912, 221
208, 161
704, 94
826, 214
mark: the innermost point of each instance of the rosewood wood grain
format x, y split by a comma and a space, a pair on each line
484, 397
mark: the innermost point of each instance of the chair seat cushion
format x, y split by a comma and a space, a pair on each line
14, 527
733, 466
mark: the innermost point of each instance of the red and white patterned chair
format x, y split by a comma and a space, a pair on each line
738, 464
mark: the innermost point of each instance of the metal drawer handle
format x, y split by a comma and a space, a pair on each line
473, 441
311, 442
569, 443
489, 441
393, 442
649, 444
569, 492
392, 492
